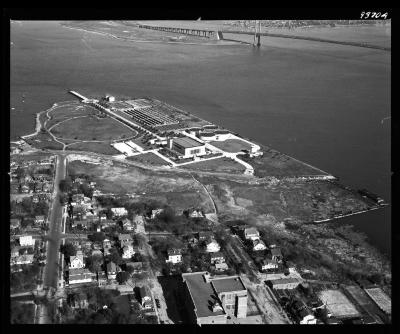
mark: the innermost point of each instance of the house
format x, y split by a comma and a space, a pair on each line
25, 189
212, 246
276, 254
251, 233
258, 245
22, 259
127, 252
78, 301
76, 262
15, 223
118, 212
35, 199
269, 264
155, 213
145, 297
217, 257
15, 251
302, 313
111, 270
221, 266
138, 223
78, 198
101, 278
137, 267
102, 217
284, 283
26, 240
127, 224
124, 240
195, 214
174, 256
204, 235
96, 252
80, 275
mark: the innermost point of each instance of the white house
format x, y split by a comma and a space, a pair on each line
39, 219
212, 246
221, 266
127, 224
174, 256
155, 213
127, 252
196, 214
251, 233
269, 264
258, 245
76, 262
119, 211
111, 270
26, 240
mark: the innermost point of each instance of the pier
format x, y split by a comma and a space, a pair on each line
78, 95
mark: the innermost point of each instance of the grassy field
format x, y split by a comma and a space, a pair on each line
102, 148
73, 109
149, 158
231, 145
273, 163
44, 141
223, 165
92, 128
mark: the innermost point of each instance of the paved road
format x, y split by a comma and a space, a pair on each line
51, 269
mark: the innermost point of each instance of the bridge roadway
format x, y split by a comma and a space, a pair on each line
186, 31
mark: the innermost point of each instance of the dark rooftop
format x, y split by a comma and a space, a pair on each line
228, 284
187, 142
202, 293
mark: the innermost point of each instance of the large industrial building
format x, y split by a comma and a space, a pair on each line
212, 299
188, 147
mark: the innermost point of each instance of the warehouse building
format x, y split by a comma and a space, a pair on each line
213, 299
188, 147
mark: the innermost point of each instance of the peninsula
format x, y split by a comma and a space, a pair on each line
128, 161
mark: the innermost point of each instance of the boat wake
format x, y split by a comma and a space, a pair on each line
383, 119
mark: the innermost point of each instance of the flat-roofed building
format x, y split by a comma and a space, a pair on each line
188, 147
213, 299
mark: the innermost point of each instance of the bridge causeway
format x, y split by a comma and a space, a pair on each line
186, 31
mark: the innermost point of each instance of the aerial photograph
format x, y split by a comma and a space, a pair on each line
200, 171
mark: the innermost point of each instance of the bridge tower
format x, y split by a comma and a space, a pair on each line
257, 34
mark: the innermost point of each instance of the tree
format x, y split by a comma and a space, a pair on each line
122, 277
68, 249
114, 256
20, 173
95, 263
65, 185
97, 236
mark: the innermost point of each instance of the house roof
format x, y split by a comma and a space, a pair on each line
285, 281
79, 272
250, 230
124, 237
216, 255
202, 293
276, 251
111, 266
228, 284
174, 251
187, 142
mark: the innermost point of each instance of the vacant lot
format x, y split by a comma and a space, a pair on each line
231, 145
44, 141
102, 148
149, 158
223, 165
92, 128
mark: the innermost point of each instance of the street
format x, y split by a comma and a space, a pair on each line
51, 269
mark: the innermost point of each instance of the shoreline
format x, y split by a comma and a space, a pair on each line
347, 215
